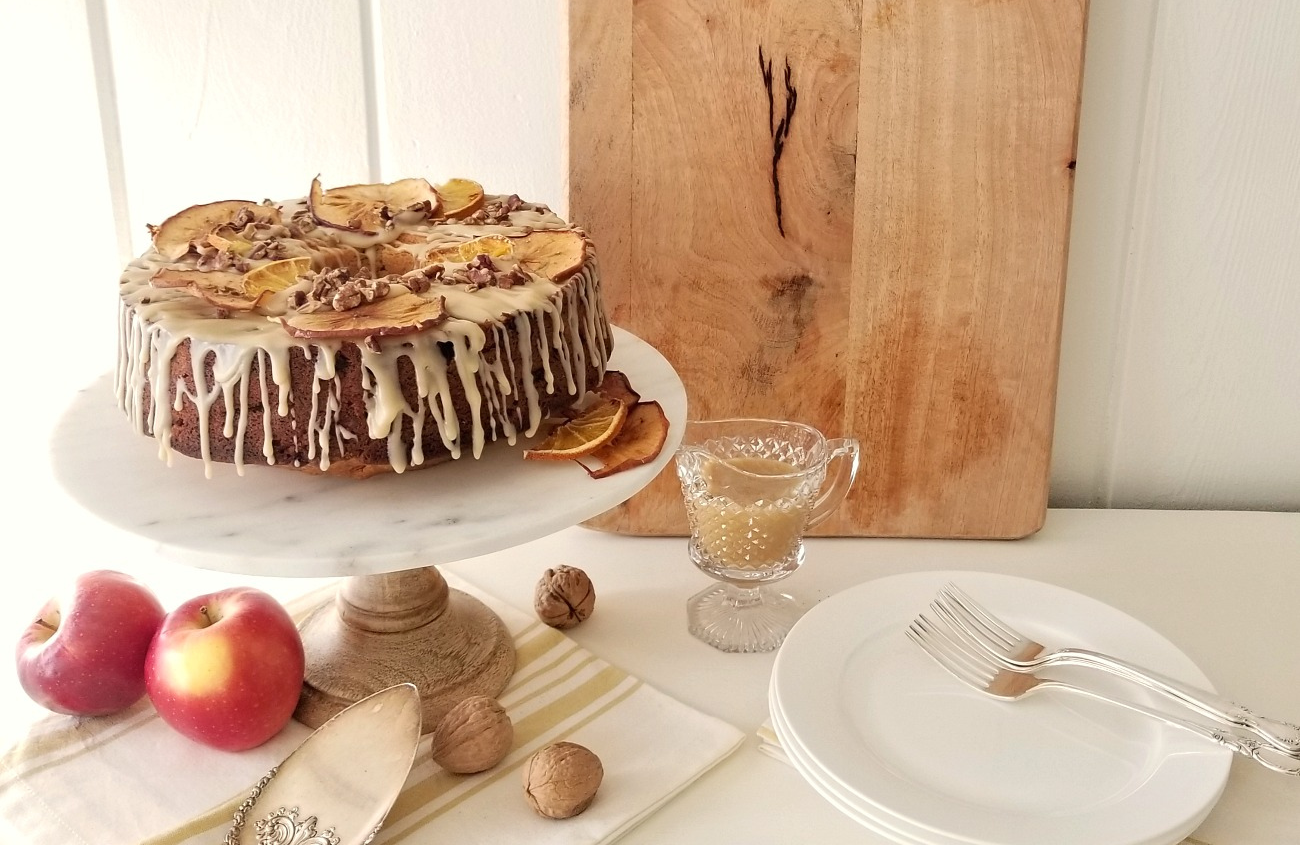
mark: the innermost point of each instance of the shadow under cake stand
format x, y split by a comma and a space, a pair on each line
393, 619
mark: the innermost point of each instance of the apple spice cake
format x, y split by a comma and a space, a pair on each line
363, 329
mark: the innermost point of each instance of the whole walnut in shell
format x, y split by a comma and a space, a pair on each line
474, 736
561, 779
564, 597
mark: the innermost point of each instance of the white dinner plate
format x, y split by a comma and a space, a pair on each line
889, 827
903, 738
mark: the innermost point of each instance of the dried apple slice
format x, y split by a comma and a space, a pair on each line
274, 277
397, 313
229, 298
615, 385
173, 237
553, 254
172, 278
371, 209
217, 287
638, 442
460, 197
496, 246
239, 246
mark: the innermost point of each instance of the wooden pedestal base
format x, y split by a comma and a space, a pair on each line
402, 627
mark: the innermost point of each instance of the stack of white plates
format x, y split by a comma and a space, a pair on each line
896, 743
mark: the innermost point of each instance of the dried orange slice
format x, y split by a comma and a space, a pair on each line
371, 209
595, 426
493, 245
553, 254
638, 442
174, 235
460, 197
274, 277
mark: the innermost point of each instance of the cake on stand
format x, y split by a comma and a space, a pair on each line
393, 619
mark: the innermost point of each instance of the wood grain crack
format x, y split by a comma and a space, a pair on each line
778, 130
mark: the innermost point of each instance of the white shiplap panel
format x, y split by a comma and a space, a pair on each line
236, 99
55, 169
1209, 395
477, 90
1116, 63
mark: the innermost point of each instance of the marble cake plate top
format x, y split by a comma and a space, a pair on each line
272, 521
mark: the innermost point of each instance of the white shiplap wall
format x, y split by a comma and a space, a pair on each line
1180, 364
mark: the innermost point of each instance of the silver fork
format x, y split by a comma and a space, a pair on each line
1019, 653
978, 672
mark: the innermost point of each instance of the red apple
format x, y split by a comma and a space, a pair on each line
85, 656
225, 669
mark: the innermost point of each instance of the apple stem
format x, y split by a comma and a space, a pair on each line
46, 625
206, 615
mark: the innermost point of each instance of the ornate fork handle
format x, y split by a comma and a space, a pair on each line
1266, 755
1284, 736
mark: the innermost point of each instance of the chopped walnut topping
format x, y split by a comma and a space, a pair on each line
421, 279
514, 276
481, 272
338, 290
211, 258
257, 231
347, 297
480, 276
495, 213
242, 218
271, 248
323, 285
303, 222
457, 276
415, 281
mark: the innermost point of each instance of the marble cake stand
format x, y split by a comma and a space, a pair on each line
394, 618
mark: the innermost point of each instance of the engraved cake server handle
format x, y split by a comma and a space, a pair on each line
1020, 653
337, 787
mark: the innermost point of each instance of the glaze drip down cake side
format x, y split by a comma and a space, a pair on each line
364, 329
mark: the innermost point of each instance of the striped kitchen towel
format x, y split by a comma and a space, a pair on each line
129, 778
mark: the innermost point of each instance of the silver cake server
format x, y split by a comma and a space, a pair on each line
337, 787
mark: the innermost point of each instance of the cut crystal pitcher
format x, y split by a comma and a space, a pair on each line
752, 488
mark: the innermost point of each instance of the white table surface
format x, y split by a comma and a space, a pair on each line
1221, 586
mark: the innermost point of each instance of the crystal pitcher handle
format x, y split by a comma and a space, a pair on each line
841, 468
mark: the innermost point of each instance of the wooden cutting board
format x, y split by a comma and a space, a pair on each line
853, 213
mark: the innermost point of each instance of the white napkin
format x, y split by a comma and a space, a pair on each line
129, 778
770, 743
